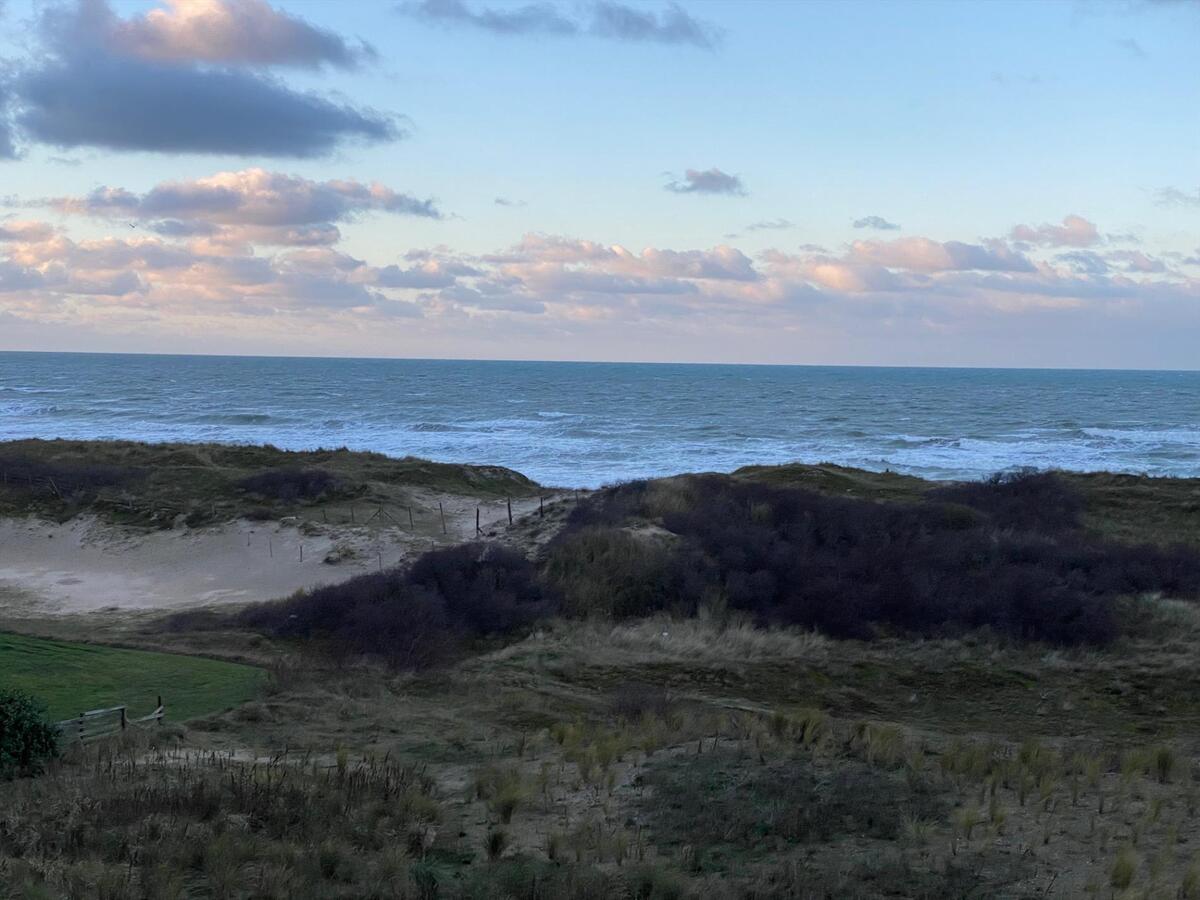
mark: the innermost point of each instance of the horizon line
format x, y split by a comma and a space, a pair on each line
594, 362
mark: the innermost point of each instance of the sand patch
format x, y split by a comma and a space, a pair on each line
86, 565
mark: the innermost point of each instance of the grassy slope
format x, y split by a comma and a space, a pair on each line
201, 480
71, 678
1125, 507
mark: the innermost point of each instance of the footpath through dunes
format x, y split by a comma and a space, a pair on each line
93, 525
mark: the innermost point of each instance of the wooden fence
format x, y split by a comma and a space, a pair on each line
100, 723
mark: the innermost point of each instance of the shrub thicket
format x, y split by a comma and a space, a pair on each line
970, 557
290, 484
27, 739
64, 478
1020, 501
414, 617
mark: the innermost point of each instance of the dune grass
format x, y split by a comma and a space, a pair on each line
71, 678
137, 484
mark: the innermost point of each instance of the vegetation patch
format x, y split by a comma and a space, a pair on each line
1009, 554
153, 485
27, 738
723, 805
412, 618
72, 678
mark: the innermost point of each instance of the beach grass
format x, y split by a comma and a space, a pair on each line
73, 677
157, 485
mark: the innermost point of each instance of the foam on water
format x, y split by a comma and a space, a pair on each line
586, 424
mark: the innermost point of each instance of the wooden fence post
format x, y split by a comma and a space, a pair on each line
508, 501
478, 530
541, 507
124, 720
411, 526
443, 512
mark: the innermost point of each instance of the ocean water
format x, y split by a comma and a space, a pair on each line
586, 424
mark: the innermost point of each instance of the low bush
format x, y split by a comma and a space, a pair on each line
967, 557
27, 739
717, 806
612, 573
290, 485
412, 618
1021, 501
62, 478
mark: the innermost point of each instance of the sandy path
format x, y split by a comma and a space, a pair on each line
87, 566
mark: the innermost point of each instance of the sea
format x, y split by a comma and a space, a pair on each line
582, 424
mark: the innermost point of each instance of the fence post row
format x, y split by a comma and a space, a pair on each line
100, 723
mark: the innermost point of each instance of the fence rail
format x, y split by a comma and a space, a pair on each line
100, 723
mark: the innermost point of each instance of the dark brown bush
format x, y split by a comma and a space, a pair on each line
290, 485
959, 560
412, 618
64, 478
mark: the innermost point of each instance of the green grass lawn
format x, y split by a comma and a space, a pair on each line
71, 678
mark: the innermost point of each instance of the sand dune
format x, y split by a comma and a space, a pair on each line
86, 565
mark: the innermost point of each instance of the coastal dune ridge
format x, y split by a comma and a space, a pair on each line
111, 526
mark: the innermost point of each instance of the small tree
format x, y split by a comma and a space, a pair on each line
27, 739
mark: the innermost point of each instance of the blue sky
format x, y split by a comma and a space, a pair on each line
957, 122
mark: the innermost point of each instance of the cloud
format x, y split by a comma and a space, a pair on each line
1075, 231
1132, 47
91, 88
771, 225
252, 205
1136, 261
249, 32
185, 279
534, 18
709, 181
602, 19
877, 222
1085, 261
672, 26
919, 254
26, 232
1172, 196
505, 201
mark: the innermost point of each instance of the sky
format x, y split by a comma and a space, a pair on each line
867, 183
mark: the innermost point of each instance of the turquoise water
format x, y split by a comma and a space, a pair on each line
585, 424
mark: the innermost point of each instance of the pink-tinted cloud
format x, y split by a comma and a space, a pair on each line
920, 254
225, 31
253, 206
545, 285
1075, 231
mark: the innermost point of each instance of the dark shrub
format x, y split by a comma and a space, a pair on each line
412, 618
64, 478
634, 699
1021, 501
290, 484
487, 588
1005, 555
610, 572
27, 739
